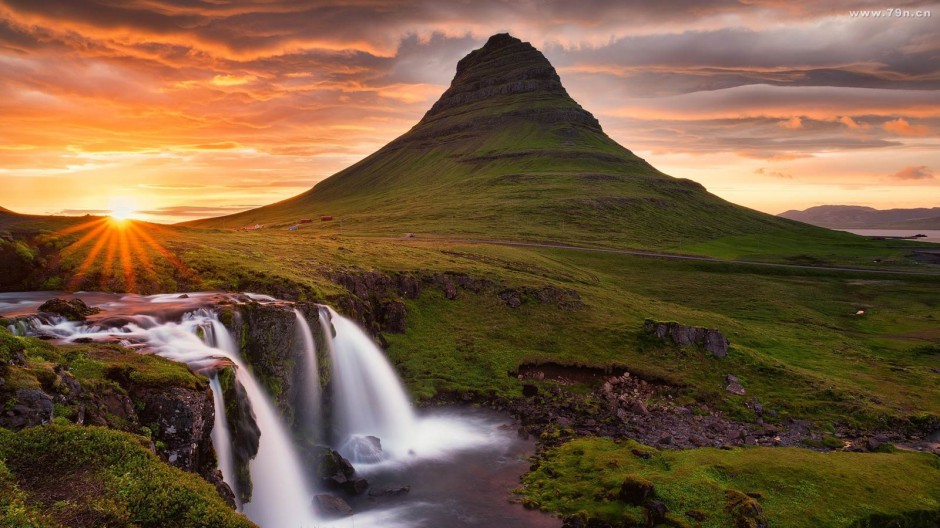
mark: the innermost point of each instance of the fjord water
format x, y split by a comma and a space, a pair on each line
461, 464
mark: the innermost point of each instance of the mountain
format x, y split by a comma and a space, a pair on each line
859, 217
5, 210
507, 153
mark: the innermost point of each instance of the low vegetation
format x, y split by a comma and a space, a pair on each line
59, 475
625, 484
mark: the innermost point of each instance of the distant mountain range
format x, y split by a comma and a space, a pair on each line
860, 217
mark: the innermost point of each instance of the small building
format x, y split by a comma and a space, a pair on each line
305, 221
293, 228
326, 218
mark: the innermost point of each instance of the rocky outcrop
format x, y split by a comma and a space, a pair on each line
244, 430
710, 338
269, 341
504, 67
375, 299
72, 309
26, 408
183, 419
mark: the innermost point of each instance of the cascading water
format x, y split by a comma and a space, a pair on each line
369, 400
281, 494
309, 410
222, 439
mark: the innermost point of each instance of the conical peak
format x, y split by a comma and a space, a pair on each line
505, 65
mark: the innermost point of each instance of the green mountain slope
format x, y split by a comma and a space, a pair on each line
507, 153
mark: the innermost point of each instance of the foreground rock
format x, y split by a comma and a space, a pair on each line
331, 506
710, 338
72, 309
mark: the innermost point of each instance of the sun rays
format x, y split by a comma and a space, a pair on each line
116, 253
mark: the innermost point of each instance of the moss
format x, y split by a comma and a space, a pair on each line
739, 488
106, 476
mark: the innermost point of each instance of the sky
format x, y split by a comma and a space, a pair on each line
176, 110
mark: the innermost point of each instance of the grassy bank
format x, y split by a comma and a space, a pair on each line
711, 488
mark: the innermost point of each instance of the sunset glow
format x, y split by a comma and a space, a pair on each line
114, 248
202, 109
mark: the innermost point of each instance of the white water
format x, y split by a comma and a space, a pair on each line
222, 439
309, 411
369, 399
281, 494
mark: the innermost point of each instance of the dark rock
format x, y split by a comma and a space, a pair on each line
529, 390
72, 309
635, 490
331, 506
184, 419
641, 454
394, 314
512, 298
695, 515
655, 512
27, 408
736, 388
356, 485
390, 492
711, 339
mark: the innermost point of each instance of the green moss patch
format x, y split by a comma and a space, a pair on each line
713, 488
90, 476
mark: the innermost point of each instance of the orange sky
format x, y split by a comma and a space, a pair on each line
196, 108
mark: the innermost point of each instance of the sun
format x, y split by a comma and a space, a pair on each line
122, 208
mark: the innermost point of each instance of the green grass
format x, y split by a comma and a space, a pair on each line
57, 475
796, 488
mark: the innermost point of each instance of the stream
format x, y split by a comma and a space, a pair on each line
447, 466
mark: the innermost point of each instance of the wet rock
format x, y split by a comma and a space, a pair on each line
711, 339
331, 506
366, 449
355, 485
72, 309
393, 491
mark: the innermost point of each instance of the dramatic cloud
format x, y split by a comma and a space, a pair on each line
913, 173
901, 127
253, 101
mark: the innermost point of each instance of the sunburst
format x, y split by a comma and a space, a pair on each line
116, 246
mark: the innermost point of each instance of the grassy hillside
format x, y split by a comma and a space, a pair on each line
506, 153
711, 488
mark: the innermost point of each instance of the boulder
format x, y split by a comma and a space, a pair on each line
711, 339
745, 511
331, 506
27, 408
635, 490
72, 309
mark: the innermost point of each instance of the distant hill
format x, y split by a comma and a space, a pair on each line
5, 210
507, 153
859, 217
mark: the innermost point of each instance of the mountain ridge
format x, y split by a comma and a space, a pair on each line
864, 217
505, 152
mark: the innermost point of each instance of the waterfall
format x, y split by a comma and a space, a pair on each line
369, 400
282, 495
309, 406
222, 438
